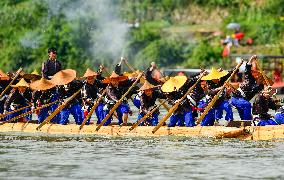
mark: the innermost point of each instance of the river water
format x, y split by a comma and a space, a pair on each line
40, 156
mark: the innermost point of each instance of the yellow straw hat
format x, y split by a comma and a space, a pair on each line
214, 74
147, 86
3, 76
33, 76
89, 73
42, 84
114, 76
21, 83
174, 83
63, 77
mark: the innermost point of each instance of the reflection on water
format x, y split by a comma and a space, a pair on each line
85, 157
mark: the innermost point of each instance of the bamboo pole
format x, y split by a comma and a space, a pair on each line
12, 112
15, 77
174, 108
48, 119
92, 110
27, 113
146, 116
118, 103
215, 98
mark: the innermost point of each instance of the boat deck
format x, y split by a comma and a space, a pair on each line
246, 133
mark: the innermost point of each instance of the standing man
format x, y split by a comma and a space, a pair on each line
52, 65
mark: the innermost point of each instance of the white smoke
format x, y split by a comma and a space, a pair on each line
108, 31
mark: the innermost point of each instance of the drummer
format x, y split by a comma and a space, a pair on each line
52, 65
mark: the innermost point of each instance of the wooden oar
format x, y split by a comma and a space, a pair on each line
12, 112
59, 108
262, 74
174, 108
92, 110
216, 97
133, 70
146, 116
15, 77
119, 102
27, 113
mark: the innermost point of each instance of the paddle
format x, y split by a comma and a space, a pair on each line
27, 113
15, 77
59, 108
262, 74
175, 106
12, 112
119, 102
146, 116
133, 70
92, 110
215, 98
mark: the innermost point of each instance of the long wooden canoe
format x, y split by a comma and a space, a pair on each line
244, 133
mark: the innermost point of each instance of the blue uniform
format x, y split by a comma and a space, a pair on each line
279, 115
45, 97
247, 90
18, 100
261, 106
74, 106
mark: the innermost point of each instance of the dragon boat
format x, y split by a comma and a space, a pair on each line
242, 132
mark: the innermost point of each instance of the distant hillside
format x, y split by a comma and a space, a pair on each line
172, 33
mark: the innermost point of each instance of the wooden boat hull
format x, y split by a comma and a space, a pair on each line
244, 133
115, 130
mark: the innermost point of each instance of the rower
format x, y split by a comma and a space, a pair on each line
279, 115
148, 96
175, 88
246, 91
52, 65
117, 86
45, 92
262, 103
4, 81
214, 80
90, 92
19, 97
67, 87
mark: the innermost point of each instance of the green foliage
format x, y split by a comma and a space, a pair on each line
29, 28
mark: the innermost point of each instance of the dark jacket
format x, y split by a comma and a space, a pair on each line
50, 67
90, 92
261, 106
70, 89
248, 88
18, 99
148, 102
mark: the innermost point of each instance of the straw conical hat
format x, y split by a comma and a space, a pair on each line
147, 86
89, 73
42, 84
21, 83
33, 76
3, 76
63, 77
214, 74
133, 74
174, 83
114, 76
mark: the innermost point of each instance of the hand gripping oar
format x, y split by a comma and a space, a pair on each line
15, 77
12, 112
146, 116
215, 98
174, 108
59, 108
27, 113
118, 102
133, 70
92, 110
